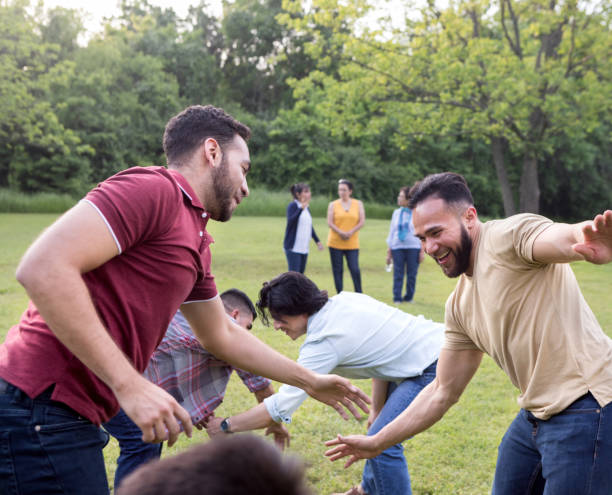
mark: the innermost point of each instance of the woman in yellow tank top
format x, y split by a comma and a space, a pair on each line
345, 217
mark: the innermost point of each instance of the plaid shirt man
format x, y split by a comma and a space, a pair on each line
191, 374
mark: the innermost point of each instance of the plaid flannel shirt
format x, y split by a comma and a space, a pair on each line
191, 374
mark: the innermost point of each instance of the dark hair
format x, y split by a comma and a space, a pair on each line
190, 128
298, 187
348, 183
236, 299
290, 294
450, 187
223, 466
406, 191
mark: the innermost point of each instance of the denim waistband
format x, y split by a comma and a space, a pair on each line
4, 386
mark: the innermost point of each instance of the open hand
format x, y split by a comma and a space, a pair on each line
339, 393
154, 411
281, 435
213, 426
355, 446
597, 245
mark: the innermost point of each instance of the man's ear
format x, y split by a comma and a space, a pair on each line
470, 217
212, 152
234, 313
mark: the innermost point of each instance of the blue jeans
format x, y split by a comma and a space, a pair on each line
387, 473
133, 452
46, 447
568, 454
405, 261
352, 260
296, 261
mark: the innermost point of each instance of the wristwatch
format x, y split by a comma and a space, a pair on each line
226, 426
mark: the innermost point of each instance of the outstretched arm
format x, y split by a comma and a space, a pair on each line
590, 241
455, 370
51, 272
232, 343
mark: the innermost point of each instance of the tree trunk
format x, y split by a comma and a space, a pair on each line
530, 188
497, 148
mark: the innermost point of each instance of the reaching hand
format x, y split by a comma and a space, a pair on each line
339, 393
320, 246
213, 426
281, 435
154, 411
597, 245
356, 446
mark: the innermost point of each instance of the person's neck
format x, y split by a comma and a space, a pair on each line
194, 178
475, 235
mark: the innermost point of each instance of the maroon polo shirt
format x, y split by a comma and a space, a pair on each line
159, 226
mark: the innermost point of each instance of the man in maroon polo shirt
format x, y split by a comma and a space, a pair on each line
104, 281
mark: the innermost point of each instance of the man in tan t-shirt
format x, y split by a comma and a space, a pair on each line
517, 300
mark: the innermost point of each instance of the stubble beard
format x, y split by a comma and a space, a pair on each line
461, 254
223, 191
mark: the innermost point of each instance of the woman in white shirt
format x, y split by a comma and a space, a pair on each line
299, 228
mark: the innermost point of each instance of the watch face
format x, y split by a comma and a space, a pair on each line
225, 425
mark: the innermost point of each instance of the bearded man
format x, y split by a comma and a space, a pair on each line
517, 299
104, 282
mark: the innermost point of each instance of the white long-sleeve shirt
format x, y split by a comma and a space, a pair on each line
356, 336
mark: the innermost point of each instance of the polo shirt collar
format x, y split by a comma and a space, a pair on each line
186, 188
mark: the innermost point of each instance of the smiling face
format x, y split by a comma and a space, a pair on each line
293, 326
229, 183
445, 235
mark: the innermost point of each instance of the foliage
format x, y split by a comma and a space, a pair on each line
522, 76
512, 95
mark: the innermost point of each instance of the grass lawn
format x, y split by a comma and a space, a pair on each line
456, 456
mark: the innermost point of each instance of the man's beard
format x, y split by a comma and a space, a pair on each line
223, 191
461, 254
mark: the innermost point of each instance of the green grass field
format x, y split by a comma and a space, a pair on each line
456, 456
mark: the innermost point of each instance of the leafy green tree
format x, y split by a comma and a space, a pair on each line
37, 153
520, 75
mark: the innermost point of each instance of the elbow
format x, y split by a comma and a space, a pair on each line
29, 274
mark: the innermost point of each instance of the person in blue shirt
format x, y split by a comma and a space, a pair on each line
404, 248
299, 229
356, 336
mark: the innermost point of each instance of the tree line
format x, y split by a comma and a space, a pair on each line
515, 95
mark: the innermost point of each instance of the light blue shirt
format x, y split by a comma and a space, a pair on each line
356, 336
393, 241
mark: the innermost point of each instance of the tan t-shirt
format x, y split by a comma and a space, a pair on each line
531, 319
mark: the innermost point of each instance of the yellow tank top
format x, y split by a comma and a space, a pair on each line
344, 220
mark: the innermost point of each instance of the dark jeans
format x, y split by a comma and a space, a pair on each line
46, 447
133, 452
405, 261
296, 261
352, 260
568, 454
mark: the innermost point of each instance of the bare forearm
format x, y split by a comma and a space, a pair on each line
240, 348
253, 419
260, 395
379, 393
555, 244
427, 408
